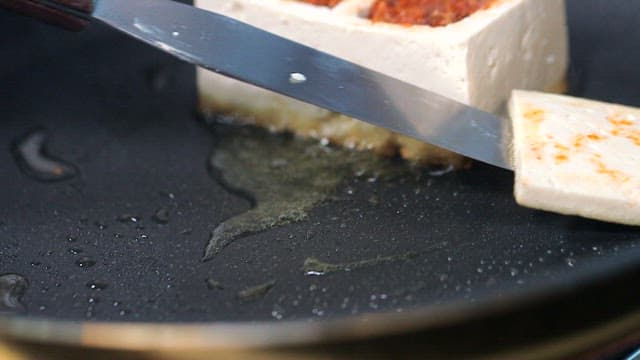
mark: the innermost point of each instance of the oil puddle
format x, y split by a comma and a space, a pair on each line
283, 177
313, 266
12, 289
34, 160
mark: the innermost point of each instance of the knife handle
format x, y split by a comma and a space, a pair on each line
69, 14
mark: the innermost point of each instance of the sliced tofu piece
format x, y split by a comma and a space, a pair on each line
478, 61
576, 157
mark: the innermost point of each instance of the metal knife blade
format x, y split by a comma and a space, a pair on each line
252, 55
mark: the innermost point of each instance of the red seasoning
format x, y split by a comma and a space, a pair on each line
425, 12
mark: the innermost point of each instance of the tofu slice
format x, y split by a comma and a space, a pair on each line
478, 61
576, 156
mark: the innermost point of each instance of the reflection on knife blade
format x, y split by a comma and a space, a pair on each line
433, 58
445, 61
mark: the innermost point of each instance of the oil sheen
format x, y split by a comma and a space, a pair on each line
284, 178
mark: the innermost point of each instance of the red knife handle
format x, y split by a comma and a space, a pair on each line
69, 14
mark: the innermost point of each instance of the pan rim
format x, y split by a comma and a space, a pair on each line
230, 335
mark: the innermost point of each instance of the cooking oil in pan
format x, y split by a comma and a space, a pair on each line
283, 176
12, 289
213, 284
128, 219
256, 292
313, 266
33, 159
85, 262
161, 216
74, 251
97, 285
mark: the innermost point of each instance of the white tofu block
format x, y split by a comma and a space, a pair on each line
576, 156
478, 60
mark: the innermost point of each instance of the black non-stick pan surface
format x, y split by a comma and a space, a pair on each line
124, 115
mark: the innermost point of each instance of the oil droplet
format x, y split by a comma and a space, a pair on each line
277, 312
297, 78
570, 261
255, 292
175, 34
313, 266
161, 216
33, 159
128, 219
97, 285
72, 239
12, 289
85, 262
213, 284
75, 251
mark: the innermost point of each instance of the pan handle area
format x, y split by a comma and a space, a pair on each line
68, 14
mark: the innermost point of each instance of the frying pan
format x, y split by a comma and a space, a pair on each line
490, 278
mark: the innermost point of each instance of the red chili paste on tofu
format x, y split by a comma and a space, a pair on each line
425, 12
329, 3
